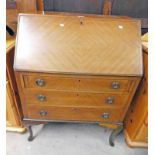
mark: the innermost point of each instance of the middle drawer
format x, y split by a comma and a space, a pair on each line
63, 98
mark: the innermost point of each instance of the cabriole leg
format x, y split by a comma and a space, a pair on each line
30, 138
114, 134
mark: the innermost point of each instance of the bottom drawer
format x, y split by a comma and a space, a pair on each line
75, 113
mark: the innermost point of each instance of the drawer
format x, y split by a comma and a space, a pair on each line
74, 113
62, 98
76, 83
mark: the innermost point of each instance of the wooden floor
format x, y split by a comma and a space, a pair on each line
68, 139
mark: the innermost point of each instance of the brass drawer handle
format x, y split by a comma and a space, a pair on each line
115, 85
41, 98
105, 115
110, 100
40, 82
43, 113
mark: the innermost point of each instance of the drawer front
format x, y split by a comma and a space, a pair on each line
74, 113
76, 83
61, 98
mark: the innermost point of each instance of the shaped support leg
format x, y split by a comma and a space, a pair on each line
30, 138
114, 134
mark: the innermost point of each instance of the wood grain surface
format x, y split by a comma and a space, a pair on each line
66, 94
13, 108
77, 82
74, 113
78, 58
136, 130
12, 118
81, 45
78, 99
26, 6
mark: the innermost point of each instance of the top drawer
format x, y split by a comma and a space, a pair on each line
76, 83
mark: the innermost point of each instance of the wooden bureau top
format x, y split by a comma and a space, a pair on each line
96, 45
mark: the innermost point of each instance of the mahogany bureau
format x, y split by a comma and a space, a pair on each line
77, 68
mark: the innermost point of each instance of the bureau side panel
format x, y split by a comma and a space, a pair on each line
135, 84
20, 86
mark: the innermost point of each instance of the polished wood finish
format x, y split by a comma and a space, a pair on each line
11, 21
74, 113
10, 44
110, 125
77, 83
63, 98
132, 143
136, 131
74, 97
11, 112
13, 121
26, 6
78, 42
142, 134
13, 117
40, 5
80, 69
107, 7
9, 70
11, 16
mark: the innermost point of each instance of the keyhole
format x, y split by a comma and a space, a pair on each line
131, 120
